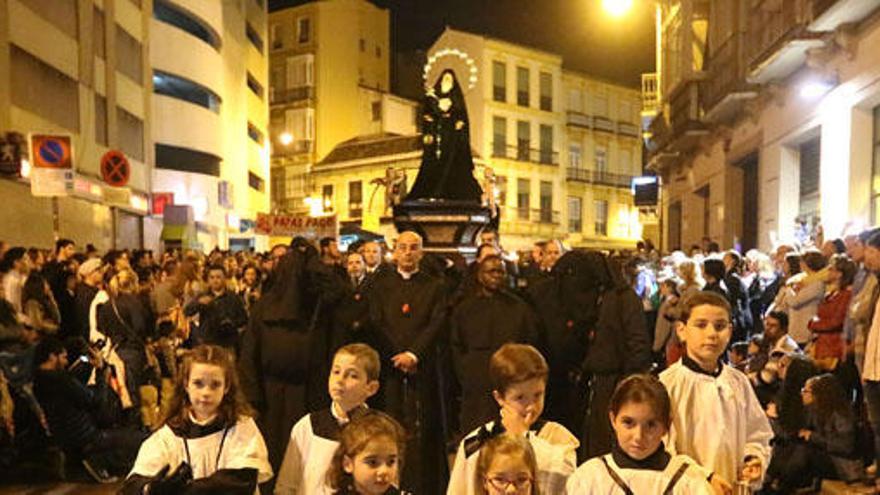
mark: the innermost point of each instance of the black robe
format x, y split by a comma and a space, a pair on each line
410, 316
480, 325
447, 166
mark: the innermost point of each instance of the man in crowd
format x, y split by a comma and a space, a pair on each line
72, 413
222, 315
373, 258
17, 266
56, 273
553, 250
91, 275
407, 311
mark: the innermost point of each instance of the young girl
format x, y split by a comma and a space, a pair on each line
506, 461
641, 415
369, 458
209, 442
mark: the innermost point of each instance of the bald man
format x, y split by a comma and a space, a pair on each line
408, 314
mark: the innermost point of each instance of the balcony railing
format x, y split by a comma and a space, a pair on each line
578, 119
524, 154
727, 71
535, 215
292, 95
599, 177
650, 93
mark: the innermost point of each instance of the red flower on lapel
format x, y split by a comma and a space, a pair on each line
405, 309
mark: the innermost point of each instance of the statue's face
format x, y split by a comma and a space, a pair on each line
446, 83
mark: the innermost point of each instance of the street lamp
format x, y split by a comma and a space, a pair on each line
286, 138
617, 8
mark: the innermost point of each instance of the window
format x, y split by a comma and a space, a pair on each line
809, 180
327, 197
276, 35
546, 91
303, 30
169, 13
300, 71
186, 160
601, 160
100, 119
499, 136
42, 90
523, 132
626, 163
575, 207
575, 103
300, 123
501, 188
99, 33
625, 114
522, 86
129, 56
362, 43
601, 224
254, 37
574, 156
499, 81
547, 144
546, 202
254, 133
522, 198
600, 106
355, 199
254, 86
256, 182
377, 111
186, 90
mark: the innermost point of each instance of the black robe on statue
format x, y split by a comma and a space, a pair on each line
447, 169
410, 316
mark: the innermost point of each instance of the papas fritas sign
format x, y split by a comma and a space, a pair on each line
294, 225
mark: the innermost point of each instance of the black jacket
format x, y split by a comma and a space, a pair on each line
128, 324
219, 320
620, 343
68, 405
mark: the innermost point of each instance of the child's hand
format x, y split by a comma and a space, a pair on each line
805, 435
751, 471
720, 486
514, 423
771, 411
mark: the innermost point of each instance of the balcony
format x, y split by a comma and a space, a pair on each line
628, 129
828, 15
726, 88
292, 95
525, 154
297, 147
778, 38
533, 215
650, 93
577, 119
598, 177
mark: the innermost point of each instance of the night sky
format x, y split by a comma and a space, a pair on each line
588, 39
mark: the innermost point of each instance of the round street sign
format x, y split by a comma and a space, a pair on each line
115, 168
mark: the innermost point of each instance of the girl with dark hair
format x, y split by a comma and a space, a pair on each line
369, 459
826, 445
209, 442
447, 166
713, 272
38, 305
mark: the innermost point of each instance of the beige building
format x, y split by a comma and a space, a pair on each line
771, 131
176, 85
78, 68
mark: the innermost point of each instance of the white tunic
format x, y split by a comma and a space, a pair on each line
243, 448
555, 452
593, 478
313, 441
716, 420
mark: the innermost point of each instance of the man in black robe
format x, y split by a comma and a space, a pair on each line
486, 319
408, 315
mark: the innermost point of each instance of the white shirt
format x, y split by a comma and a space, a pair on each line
555, 453
309, 454
13, 282
871, 368
717, 421
593, 478
243, 448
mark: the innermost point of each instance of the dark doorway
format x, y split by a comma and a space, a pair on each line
750, 202
674, 226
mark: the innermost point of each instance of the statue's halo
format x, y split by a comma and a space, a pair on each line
458, 54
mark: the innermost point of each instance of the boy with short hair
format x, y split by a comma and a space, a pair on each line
354, 378
518, 374
719, 421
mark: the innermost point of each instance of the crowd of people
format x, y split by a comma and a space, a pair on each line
305, 370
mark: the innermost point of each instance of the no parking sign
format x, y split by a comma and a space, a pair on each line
52, 173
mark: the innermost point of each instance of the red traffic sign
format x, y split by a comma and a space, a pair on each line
51, 151
115, 169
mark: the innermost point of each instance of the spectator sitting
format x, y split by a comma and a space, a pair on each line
739, 356
38, 304
71, 411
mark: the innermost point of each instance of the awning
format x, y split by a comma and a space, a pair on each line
174, 233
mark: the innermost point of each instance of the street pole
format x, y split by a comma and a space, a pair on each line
56, 218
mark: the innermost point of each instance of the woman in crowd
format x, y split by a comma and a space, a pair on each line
39, 306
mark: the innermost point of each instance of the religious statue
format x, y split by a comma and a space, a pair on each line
394, 183
446, 171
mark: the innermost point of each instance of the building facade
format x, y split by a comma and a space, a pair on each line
766, 120
178, 86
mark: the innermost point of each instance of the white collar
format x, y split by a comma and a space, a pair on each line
339, 419
405, 275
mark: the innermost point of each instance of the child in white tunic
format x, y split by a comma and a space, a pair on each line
518, 374
209, 442
717, 419
354, 378
640, 413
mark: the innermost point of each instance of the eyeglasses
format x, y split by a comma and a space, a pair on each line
501, 483
719, 326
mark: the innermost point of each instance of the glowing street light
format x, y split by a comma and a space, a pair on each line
286, 138
810, 90
617, 8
